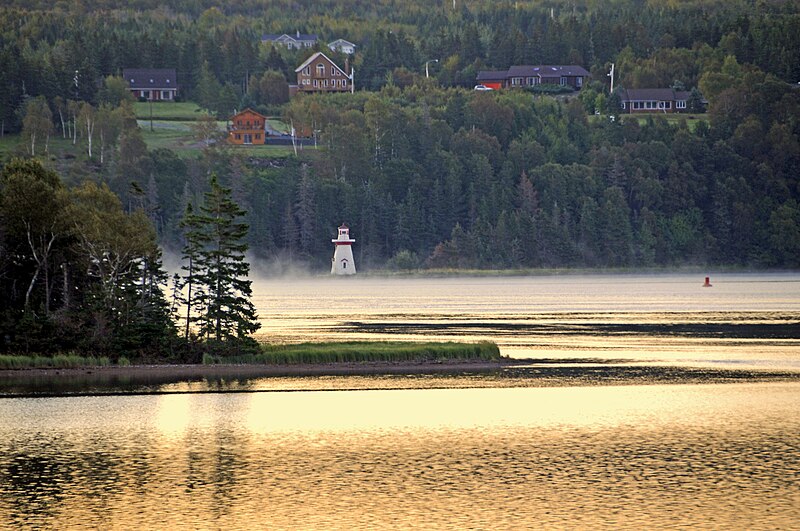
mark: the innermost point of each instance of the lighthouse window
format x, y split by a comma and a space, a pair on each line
344, 264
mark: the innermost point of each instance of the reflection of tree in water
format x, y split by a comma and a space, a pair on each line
33, 485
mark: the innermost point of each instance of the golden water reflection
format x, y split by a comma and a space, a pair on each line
713, 456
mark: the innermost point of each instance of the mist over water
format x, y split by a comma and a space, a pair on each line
648, 402
746, 319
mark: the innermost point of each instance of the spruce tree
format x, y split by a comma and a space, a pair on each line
220, 269
191, 225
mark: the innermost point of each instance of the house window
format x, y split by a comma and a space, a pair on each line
315, 83
578, 81
306, 82
680, 104
530, 81
344, 82
562, 81
516, 81
248, 138
238, 136
258, 136
325, 82
320, 70
165, 95
307, 71
151, 81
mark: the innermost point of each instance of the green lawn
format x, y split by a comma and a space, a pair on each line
279, 126
12, 145
691, 119
178, 137
265, 151
165, 110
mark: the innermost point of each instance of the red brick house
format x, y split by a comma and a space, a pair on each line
152, 84
247, 128
319, 74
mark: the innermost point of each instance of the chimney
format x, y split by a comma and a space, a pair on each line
347, 65
298, 34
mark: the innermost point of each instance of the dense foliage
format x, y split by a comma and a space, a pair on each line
76, 270
425, 172
62, 50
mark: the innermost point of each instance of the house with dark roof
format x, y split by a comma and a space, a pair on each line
320, 74
152, 84
658, 100
292, 42
530, 76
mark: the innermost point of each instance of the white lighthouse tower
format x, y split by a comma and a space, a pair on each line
342, 262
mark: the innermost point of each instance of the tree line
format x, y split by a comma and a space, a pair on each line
79, 272
63, 52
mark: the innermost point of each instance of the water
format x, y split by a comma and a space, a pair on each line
627, 419
743, 320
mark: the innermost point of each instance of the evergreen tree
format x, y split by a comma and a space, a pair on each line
221, 269
192, 237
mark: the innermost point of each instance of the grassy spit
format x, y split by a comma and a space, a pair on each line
363, 351
59, 361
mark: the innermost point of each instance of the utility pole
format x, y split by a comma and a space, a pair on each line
611, 75
427, 75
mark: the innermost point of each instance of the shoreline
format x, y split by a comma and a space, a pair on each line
256, 370
358, 376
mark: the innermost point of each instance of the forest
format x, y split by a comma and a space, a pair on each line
428, 173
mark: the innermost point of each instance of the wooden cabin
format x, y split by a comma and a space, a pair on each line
247, 128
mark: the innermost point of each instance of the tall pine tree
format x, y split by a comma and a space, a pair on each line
219, 270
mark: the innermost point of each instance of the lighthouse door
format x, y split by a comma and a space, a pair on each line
344, 263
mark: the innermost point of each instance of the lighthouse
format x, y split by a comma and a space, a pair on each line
342, 262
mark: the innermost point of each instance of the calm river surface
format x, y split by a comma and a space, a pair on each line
662, 405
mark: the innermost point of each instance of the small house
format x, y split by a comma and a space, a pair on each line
658, 100
292, 42
247, 128
342, 46
152, 84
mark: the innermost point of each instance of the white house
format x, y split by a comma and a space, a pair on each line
292, 42
342, 46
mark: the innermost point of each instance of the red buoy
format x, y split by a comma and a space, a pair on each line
707, 283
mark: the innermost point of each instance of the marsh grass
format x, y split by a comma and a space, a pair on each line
363, 352
59, 361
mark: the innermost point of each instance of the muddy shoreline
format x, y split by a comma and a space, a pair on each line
256, 370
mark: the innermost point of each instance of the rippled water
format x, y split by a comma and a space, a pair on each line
627, 417
725, 456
